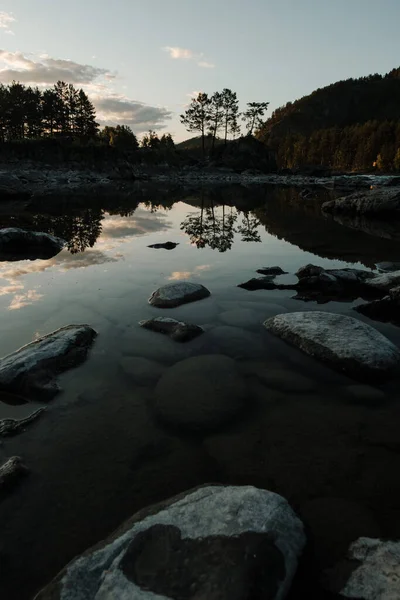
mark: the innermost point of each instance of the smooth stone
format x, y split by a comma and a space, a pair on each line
236, 342
371, 571
176, 330
165, 246
271, 271
32, 370
19, 244
241, 317
201, 392
346, 344
11, 471
185, 548
142, 370
175, 294
366, 392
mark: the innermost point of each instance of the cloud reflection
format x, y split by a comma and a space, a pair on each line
182, 275
21, 300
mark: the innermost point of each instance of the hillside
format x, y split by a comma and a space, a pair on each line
348, 125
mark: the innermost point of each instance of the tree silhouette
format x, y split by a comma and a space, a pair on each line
197, 117
249, 228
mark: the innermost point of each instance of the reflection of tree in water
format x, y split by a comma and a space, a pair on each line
208, 229
80, 231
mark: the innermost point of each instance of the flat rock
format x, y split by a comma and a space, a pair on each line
370, 572
19, 244
175, 294
271, 271
32, 370
346, 344
142, 370
184, 548
11, 471
176, 330
201, 392
164, 246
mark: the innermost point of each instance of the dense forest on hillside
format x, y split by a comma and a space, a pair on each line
349, 125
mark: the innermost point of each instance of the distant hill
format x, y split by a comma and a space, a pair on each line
349, 125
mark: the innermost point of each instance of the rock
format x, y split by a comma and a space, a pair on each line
285, 380
176, 330
386, 310
316, 283
378, 202
32, 370
185, 548
264, 283
11, 471
200, 392
385, 281
388, 267
142, 370
342, 342
272, 271
241, 317
165, 246
18, 244
237, 343
371, 571
309, 271
13, 426
366, 393
175, 294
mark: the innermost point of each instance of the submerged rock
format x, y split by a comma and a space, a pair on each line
19, 244
176, 330
272, 271
14, 426
214, 542
175, 294
344, 343
370, 572
142, 370
386, 310
11, 471
32, 370
378, 202
200, 392
165, 246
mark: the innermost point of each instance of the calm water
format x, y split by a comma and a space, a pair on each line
98, 454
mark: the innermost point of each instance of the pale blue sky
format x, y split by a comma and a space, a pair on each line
265, 50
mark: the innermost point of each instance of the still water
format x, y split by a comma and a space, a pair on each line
98, 453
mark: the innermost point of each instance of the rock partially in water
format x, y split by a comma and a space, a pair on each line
371, 571
142, 370
176, 330
388, 267
264, 283
346, 344
14, 426
386, 310
185, 548
11, 471
386, 281
32, 370
201, 392
378, 202
165, 246
324, 285
175, 294
19, 244
272, 271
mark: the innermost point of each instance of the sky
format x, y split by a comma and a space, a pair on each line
141, 61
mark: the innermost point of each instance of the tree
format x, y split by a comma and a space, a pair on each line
215, 116
51, 109
230, 105
84, 123
253, 115
396, 163
197, 116
121, 137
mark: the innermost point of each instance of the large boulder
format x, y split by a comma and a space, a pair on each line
370, 572
200, 392
175, 294
378, 202
346, 344
32, 370
19, 244
214, 543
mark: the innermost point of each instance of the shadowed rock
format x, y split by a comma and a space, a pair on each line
18, 244
265, 283
165, 246
378, 202
32, 370
271, 271
386, 310
175, 294
176, 330
14, 426
11, 471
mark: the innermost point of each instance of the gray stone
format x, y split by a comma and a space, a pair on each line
309, 271
388, 267
11, 471
344, 343
385, 281
176, 330
32, 370
18, 244
271, 271
13, 426
200, 392
185, 548
142, 370
175, 294
371, 571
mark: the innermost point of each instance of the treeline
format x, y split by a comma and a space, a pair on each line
351, 125
29, 113
372, 145
211, 115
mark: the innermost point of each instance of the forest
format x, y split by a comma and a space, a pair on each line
351, 125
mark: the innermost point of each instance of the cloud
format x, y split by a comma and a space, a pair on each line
178, 53
141, 223
5, 21
116, 109
21, 300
